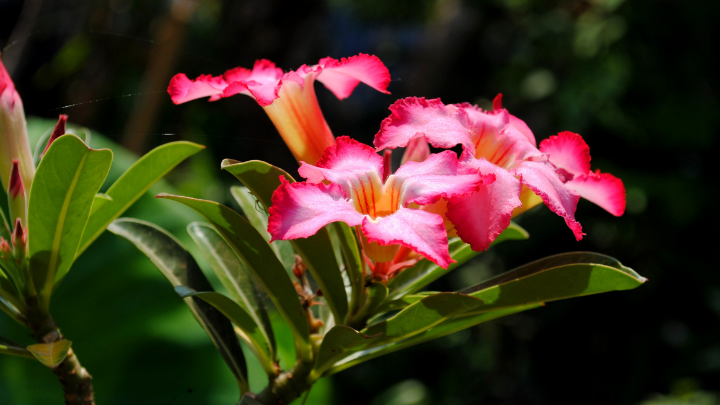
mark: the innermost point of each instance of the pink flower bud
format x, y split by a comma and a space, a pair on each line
13, 133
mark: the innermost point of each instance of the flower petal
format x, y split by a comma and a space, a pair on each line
182, 89
515, 122
299, 210
480, 217
262, 83
542, 179
425, 182
342, 76
603, 189
346, 157
417, 150
567, 151
418, 230
443, 126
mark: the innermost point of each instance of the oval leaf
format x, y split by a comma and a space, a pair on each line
133, 184
61, 195
553, 278
179, 267
316, 251
261, 260
252, 334
51, 354
234, 275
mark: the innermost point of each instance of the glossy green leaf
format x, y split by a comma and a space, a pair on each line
251, 332
353, 262
179, 267
338, 343
376, 294
51, 354
425, 271
316, 251
421, 316
82, 133
59, 205
257, 215
553, 278
133, 184
9, 347
249, 245
445, 328
404, 301
234, 275
409, 322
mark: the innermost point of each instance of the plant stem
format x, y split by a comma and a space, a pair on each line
287, 386
75, 380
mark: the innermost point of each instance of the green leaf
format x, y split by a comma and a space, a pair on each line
179, 267
409, 322
9, 347
4, 227
59, 205
445, 328
353, 262
82, 133
553, 278
425, 271
404, 301
133, 184
257, 215
421, 316
376, 294
233, 274
51, 354
336, 344
249, 245
316, 251
251, 332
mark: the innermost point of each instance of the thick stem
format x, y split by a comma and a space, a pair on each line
287, 386
75, 380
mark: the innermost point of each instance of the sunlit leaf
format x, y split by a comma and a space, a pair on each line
249, 245
233, 274
51, 354
425, 272
82, 133
553, 278
59, 205
133, 184
257, 215
252, 334
316, 251
179, 267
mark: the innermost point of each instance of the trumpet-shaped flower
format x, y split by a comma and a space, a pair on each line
348, 185
289, 98
497, 143
13, 133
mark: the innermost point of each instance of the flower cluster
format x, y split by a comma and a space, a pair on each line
406, 215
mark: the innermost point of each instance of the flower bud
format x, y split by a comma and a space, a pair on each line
14, 144
17, 196
19, 240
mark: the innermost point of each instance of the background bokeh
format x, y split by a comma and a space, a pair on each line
638, 79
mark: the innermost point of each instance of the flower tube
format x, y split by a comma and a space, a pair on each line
289, 98
497, 143
347, 185
14, 144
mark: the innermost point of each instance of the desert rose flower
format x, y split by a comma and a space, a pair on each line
14, 144
497, 143
351, 183
289, 98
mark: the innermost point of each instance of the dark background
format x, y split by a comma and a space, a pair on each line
638, 79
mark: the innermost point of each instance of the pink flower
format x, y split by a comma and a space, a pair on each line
497, 143
347, 185
14, 144
289, 98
